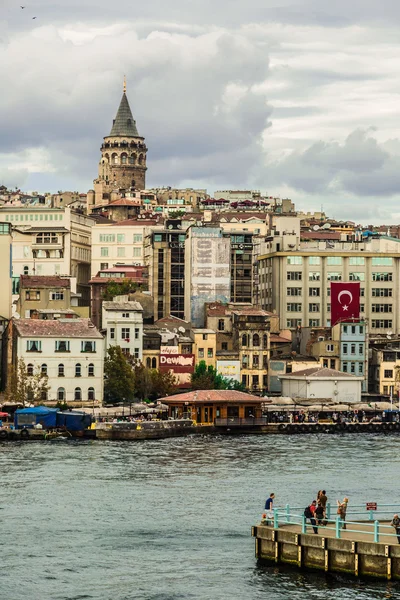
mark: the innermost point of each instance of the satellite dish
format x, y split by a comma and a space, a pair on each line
170, 226
389, 334
316, 227
181, 329
326, 226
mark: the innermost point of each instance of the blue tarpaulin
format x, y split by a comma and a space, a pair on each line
73, 420
27, 417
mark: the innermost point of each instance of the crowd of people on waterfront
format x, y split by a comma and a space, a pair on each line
351, 416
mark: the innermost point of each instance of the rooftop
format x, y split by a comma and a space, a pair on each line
207, 396
124, 124
123, 306
62, 328
44, 281
319, 373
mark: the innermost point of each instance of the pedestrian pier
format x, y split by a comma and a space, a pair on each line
368, 547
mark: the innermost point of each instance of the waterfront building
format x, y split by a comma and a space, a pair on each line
69, 351
209, 407
295, 278
5, 272
122, 322
353, 348
123, 157
384, 371
205, 346
321, 383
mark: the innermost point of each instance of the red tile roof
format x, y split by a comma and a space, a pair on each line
64, 328
320, 235
44, 281
205, 396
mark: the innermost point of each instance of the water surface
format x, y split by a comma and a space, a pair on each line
171, 519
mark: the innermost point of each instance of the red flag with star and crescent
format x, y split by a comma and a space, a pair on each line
345, 302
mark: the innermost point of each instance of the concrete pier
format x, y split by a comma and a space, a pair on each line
354, 553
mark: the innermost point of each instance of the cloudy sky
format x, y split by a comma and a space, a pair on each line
299, 99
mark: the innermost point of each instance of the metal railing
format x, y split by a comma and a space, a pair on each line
370, 527
237, 422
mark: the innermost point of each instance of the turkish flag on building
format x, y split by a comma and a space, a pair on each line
345, 302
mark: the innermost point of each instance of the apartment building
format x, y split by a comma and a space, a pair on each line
123, 324
295, 279
5, 272
69, 351
50, 241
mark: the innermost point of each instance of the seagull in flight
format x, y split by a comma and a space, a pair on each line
34, 17
22, 7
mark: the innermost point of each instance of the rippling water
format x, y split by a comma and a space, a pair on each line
171, 519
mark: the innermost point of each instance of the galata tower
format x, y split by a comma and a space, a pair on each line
123, 156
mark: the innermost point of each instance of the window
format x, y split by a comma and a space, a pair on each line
314, 276
43, 369
334, 276
78, 394
382, 292
314, 323
360, 348
361, 329
136, 353
61, 371
120, 238
293, 291
29, 370
325, 363
380, 261
345, 348
221, 324
256, 361
61, 394
32, 295
137, 331
293, 323
26, 270
103, 266
294, 275
294, 260
121, 252
382, 308
381, 323
265, 340
205, 336
344, 368
313, 307
314, 260
91, 393
352, 349
313, 291
360, 369
62, 346
356, 276
356, 260
382, 276
224, 346
334, 260
352, 367
333, 363
57, 295
154, 363
201, 352
157, 237
256, 340
210, 353
329, 347
78, 370
125, 315
107, 237
137, 252
388, 374
137, 237
112, 333
148, 362
104, 251
33, 346
88, 346
125, 333
245, 361
293, 307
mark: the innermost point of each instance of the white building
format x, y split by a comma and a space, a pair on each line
69, 351
318, 383
123, 324
119, 243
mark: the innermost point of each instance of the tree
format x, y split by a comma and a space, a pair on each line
119, 377
23, 385
207, 378
119, 288
152, 384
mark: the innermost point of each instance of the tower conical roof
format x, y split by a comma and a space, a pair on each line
124, 124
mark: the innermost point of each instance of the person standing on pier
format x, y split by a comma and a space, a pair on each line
396, 524
269, 506
342, 509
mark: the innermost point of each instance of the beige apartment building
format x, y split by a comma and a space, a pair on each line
119, 243
295, 279
5, 272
